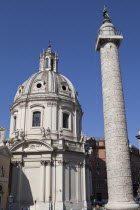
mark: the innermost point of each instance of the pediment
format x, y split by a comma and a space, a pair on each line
31, 146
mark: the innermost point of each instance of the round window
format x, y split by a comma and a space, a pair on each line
38, 85
64, 87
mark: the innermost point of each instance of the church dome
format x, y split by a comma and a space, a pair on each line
47, 101
45, 83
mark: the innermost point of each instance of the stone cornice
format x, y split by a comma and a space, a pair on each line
37, 105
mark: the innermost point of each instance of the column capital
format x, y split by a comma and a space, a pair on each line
43, 162
80, 164
63, 162
18, 163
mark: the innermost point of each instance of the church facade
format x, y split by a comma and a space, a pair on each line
50, 168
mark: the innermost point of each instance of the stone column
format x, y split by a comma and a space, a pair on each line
42, 182
83, 183
79, 182
87, 183
54, 116
19, 168
120, 189
48, 182
59, 184
60, 118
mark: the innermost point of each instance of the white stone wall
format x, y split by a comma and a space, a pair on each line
51, 116
49, 179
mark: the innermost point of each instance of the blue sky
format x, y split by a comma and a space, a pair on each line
71, 26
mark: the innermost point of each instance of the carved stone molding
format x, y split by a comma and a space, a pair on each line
51, 104
63, 162
14, 110
80, 164
43, 162
47, 162
37, 105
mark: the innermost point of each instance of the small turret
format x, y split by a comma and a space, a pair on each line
49, 60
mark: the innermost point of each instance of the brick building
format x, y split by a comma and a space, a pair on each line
135, 166
99, 175
4, 176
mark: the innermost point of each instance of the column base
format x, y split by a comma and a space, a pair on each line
58, 206
76, 205
88, 205
14, 206
122, 206
41, 206
85, 205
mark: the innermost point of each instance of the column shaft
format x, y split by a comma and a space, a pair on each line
48, 183
42, 182
117, 150
19, 181
59, 181
83, 183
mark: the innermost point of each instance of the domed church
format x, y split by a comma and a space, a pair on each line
50, 170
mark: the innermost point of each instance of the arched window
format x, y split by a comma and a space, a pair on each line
51, 63
65, 120
15, 123
47, 62
36, 119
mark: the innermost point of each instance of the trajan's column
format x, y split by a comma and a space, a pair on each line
120, 189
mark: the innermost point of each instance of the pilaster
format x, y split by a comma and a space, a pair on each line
48, 182
42, 182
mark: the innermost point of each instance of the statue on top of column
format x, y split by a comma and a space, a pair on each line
105, 14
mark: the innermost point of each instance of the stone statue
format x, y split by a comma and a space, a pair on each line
60, 133
83, 137
22, 134
43, 132
16, 134
48, 133
105, 14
